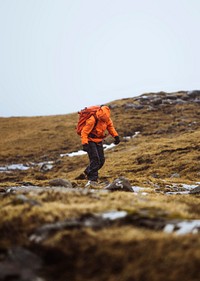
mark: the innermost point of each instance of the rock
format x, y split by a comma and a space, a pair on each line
46, 167
156, 101
24, 189
133, 106
22, 199
139, 106
95, 221
144, 100
120, 184
196, 190
197, 101
129, 105
194, 94
26, 183
20, 264
171, 96
86, 220
180, 101
60, 182
175, 175
112, 106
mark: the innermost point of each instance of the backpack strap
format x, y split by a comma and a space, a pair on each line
91, 135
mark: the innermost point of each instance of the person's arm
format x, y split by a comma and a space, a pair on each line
113, 132
87, 129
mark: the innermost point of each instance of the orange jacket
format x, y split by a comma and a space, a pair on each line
90, 132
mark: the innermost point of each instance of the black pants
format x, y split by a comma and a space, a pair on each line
97, 159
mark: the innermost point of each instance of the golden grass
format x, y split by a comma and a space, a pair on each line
168, 145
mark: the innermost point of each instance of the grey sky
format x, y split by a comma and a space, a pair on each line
57, 56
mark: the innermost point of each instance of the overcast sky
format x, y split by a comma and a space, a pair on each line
58, 56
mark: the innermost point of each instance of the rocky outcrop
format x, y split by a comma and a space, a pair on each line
156, 100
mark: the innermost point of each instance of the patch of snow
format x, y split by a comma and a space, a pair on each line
114, 215
105, 146
22, 167
81, 152
72, 154
138, 189
177, 192
169, 228
108, 146
43, 163
184, 227
131, 137
3, 169
12, 167
189, 186
144, 193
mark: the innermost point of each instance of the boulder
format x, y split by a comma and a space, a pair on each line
60, 182
120, 184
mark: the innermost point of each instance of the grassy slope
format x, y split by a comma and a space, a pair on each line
168, 143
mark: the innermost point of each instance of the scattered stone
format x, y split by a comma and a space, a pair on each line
133, 106
46, 167
60, 182
26, 183
139, 106
144, 100
171, 97
120, 184
24, 189
22, 199
180, 101
157, 101
145, 218
194, 94
112, 106
197, 100
86, 220
196, 190
175, 175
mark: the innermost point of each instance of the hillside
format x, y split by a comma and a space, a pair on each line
98, 234
167, 143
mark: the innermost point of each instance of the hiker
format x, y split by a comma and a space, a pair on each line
92, 135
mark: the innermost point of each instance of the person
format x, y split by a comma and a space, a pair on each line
92, 136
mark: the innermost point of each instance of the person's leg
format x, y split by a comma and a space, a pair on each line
96, 161
101, 154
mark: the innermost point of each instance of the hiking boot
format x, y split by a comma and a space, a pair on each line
81, 177
92, 184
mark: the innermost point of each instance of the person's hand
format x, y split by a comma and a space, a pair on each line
117, 140
85, 147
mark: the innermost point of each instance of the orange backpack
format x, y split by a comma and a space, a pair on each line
85, 114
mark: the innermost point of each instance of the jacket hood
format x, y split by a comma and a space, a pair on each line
103, 113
